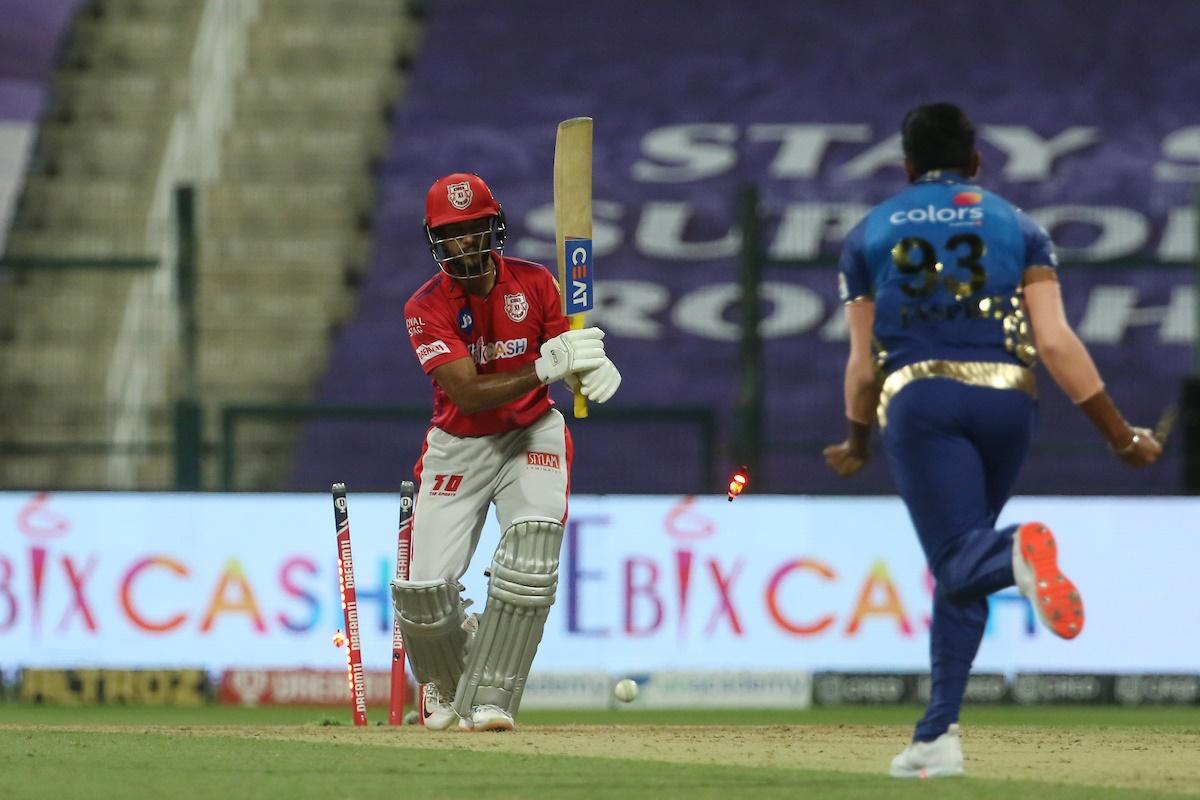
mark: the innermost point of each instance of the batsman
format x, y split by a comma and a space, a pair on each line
491, 332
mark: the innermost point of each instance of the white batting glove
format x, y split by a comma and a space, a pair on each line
573, 351
599, 384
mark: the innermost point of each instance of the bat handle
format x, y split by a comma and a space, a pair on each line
581, 404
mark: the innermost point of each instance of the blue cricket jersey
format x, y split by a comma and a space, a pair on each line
944, 262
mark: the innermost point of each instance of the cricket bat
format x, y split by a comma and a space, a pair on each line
573, 224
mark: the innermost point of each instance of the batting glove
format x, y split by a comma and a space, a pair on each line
573, 351
599, 384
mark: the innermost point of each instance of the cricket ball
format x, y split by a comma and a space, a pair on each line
625, 690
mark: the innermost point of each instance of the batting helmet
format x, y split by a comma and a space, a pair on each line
457, 198
461, 197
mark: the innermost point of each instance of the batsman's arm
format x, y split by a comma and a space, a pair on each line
563, 355
471, 392
1071, 366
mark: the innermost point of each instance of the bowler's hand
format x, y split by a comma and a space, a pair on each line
844, 458
1143, 451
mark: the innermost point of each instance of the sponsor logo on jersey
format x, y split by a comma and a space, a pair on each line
536, 458
459, 195
968, 199
464, 320
434, 348
484, 352
516, 306
968, 215
415, 325
445, 485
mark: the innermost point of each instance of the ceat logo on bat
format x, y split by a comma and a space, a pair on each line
579, 275
968, 198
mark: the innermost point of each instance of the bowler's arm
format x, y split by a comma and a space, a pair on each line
860, 389
1069, 363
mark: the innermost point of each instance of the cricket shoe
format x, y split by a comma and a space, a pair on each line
439, 715
1035, 568
941, 758
487, 718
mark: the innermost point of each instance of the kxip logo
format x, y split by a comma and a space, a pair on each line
459, 195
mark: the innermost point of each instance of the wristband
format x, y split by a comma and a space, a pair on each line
1127, 449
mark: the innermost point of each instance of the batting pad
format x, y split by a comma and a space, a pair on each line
431, 620
520, 593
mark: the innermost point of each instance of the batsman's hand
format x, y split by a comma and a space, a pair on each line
573, 351
1142, 451
844, 458
599, 384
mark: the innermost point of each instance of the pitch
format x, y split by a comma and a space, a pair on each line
629, 753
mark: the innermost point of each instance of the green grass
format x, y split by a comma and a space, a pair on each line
56, 763
93, 765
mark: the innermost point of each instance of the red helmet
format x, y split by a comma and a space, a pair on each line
457, 198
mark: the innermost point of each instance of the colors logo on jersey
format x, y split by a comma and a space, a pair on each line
459, 194
483, 352
434, 348
968, 198
516, 306
965, 216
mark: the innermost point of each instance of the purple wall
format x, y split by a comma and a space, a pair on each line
29, 35
492, 82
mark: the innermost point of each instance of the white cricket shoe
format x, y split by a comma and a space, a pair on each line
487, 718
941, 758
439, 715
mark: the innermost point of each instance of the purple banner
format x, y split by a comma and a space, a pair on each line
692, 101
29, 35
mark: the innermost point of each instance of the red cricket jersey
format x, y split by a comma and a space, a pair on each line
500, 332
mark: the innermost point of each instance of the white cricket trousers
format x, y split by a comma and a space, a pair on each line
525, 472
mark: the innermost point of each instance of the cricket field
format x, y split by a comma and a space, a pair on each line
225, 753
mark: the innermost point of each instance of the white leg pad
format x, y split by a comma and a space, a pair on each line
520, 592
431, 619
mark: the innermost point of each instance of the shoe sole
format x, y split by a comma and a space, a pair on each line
925, 774
1057, 601
495, 726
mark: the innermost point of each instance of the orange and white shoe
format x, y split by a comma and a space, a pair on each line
1035, 567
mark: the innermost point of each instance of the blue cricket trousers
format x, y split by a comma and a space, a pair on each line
955, 451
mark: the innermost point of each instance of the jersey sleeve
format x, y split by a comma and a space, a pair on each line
432, 334
854, 276
553, 320
1039, 247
